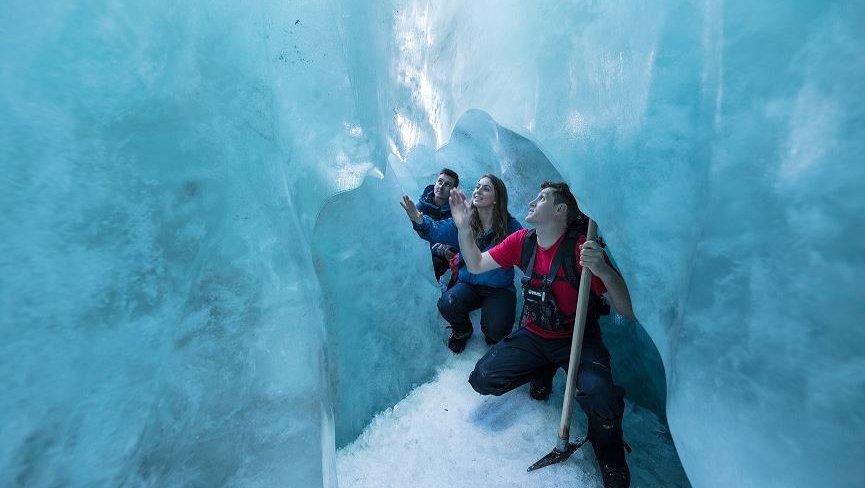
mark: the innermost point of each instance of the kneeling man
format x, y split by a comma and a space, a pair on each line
533, 352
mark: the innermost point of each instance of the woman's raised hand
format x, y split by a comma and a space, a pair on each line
460, 208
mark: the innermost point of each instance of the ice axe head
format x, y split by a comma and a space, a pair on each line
557, 456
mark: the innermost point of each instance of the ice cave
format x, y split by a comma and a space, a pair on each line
206, 278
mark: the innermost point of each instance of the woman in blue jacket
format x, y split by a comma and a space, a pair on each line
493, 292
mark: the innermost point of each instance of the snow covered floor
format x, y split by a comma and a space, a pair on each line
446, 435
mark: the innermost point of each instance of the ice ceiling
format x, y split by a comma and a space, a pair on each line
197, 198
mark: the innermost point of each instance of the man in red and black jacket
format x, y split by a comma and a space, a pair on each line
532, 352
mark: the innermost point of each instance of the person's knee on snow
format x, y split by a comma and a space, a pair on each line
486, 382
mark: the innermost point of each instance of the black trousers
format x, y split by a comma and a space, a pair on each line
523, 356
497, 309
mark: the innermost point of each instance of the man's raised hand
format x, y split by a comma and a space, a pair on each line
411, 210
460, 208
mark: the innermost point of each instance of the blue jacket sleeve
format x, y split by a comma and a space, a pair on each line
443, 231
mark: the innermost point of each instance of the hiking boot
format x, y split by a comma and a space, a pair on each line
613, 466
457, 341
541, 388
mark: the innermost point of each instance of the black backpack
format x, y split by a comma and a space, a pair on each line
597, 305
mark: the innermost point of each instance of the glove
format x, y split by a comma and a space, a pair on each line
442, 250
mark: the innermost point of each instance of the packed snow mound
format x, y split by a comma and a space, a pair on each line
445, 435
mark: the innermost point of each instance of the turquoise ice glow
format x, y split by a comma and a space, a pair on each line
174, 281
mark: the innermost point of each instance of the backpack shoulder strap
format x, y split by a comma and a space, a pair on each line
570, 259
530, 246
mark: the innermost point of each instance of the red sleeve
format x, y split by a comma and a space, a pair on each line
508, 253
598, 286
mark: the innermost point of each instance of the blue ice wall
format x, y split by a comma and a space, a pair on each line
158, 323
170, 173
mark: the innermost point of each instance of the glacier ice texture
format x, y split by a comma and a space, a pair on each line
200, 233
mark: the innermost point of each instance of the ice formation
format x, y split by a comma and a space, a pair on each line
201, 242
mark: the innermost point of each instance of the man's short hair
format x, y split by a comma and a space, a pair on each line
453, 174
563, 194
